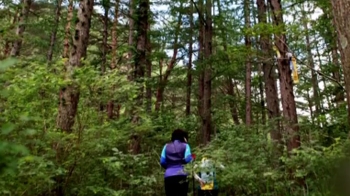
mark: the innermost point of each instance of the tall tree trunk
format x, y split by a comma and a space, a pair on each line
189, 68
131, 41
148, 72
69, 95
339, 93
106, 7
67, 34
342, 24
7, 47
21, 27
248, 76
140, 61
232, 102
140, 58
309, 100
314, 81
200, 58
163, 80
110, 104
114, 35
229, 84
269, 77
207, 90
54, 30
261, 92
325, 85
66, 107
286, 82
260, 70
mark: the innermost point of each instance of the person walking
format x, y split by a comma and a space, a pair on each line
174, 156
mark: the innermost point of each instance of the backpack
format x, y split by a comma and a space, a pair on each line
208, 175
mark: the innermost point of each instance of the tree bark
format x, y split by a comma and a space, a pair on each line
232, 103
333, 46
106, 7
7, 47
325, 85
286, 82
69, 96
110, 104
140, 61
207, 90
314, 81
248, 76
54, 30
229, 83
200, 58
67, 30
163, 80
189, 68
21, 27
342, 25
269, 75
148, 72
260, 73
261, 92
115, 36
338, 93
131, 41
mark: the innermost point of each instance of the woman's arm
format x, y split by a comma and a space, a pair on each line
221, 166
196, 175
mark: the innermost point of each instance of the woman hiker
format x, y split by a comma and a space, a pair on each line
174, 155
207, 177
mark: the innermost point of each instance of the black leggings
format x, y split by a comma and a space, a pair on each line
176, 186
208, 193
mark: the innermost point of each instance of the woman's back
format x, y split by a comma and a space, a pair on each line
174, 155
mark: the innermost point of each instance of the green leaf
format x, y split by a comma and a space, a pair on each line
28, 158
30, 132
5, 64
7, 128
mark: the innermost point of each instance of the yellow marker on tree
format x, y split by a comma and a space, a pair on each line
277, 52
295, 71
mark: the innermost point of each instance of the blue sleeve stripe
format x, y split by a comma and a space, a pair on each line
188, 155
163, 157
163, 151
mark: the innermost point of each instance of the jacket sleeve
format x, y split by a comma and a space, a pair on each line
188, 155
163, 158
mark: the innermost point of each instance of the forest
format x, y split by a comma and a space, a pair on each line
91, 90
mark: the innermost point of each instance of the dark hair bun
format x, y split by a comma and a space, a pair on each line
179, 134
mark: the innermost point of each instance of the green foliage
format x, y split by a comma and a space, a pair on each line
10, 152
251, 169
96, 159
